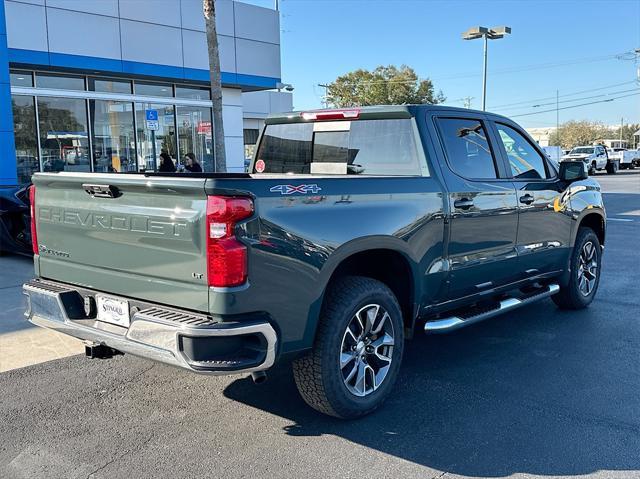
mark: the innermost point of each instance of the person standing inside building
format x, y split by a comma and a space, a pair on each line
166, 163
191, 164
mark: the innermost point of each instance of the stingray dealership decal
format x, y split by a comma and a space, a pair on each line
291, 189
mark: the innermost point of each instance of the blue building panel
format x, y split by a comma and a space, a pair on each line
84, 64
8, 174
6, 114
4, 60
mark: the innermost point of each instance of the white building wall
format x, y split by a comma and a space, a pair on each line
258, 105
232, 121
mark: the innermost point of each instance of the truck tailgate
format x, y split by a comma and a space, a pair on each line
147, 242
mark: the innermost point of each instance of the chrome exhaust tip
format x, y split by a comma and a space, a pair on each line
259, 377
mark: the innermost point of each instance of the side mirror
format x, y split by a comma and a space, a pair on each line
573, 171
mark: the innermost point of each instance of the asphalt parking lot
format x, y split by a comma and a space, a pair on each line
535, 392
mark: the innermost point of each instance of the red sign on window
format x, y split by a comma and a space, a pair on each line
203, 128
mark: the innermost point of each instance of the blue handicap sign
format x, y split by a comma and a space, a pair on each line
152, 115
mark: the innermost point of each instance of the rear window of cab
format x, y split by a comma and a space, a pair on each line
362, 147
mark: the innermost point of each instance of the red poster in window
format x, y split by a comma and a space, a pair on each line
203, 128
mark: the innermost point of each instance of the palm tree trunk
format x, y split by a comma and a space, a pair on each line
220, 159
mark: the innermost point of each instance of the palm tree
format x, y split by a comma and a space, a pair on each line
209, 10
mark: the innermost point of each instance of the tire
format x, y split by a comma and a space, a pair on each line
612, 168
572, 296
322, 379
592, 169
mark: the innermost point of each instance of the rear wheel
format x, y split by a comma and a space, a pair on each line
357, 352
586, 259
612, 167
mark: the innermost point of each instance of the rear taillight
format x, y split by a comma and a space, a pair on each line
226, 256
32, 210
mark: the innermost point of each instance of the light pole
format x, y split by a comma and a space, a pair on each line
486, 34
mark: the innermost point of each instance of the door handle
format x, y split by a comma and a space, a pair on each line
463, 203
527, 199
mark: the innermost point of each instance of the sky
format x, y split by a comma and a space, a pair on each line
575, 47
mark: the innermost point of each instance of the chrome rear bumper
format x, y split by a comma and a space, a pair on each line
157, 333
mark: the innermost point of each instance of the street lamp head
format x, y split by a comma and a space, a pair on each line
475, 32
501, 30
484, 32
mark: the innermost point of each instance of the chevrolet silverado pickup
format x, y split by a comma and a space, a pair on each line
353, 229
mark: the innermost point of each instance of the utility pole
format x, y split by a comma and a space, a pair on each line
466, 101
558, 117
324, 98
621, 127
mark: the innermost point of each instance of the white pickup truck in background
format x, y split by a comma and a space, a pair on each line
595, 157
629, 159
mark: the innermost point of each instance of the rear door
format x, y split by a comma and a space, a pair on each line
544, 228
145, 242
483, 207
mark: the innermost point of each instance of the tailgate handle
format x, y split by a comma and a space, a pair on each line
101, 191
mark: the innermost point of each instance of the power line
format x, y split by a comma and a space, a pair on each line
614, 56
574, 106
563, 95
569, 101
541, 66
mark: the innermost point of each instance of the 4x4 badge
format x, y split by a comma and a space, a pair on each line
291, 189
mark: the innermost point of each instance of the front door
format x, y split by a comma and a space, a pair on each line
483, 209
544, 227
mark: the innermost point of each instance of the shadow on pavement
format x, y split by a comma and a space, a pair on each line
538, 391
491, 401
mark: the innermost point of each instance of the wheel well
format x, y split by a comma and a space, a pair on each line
388, 267
596, 223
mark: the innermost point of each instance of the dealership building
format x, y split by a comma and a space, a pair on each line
109, 85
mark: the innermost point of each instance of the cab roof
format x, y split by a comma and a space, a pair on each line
376, 112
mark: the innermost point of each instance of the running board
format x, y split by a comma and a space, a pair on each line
452, 323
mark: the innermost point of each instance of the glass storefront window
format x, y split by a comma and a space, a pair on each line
64, 141
110, 86
24, 124
195, 134
112, 136
165, 136
153, 89
59, 82
193, 93
54, 133
19, 78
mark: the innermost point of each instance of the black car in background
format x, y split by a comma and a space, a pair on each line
15, 220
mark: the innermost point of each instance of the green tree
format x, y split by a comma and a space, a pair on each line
575, 133
386, 85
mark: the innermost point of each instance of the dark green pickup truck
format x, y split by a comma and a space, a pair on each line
354, 228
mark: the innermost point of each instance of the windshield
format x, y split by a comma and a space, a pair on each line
582, 150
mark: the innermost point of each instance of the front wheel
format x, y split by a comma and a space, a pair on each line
357, 352
585, 265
